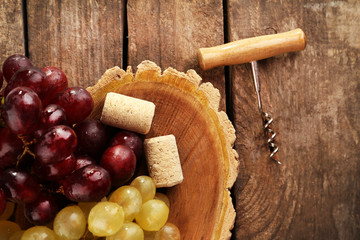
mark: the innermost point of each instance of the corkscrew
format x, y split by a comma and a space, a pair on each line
267, 119
249, 51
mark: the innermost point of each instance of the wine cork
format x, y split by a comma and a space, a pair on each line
127, 113
163, 160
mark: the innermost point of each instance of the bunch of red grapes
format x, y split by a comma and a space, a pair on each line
50, 151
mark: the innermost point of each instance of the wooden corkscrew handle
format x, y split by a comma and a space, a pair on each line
251, 49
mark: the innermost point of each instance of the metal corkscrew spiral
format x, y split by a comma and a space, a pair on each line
267, 119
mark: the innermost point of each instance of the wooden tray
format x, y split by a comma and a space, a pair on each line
201, 206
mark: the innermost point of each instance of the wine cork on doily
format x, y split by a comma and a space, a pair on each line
127, 113
163, 160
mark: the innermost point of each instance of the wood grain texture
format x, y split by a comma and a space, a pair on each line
251, 49
11, 29
313, 95
83, 38
200, 205
314, 98
169, 33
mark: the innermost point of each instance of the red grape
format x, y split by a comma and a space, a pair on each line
56, 144
130, 139
10, 148
42, 210
31, 77
14, 63
19, 186
2, 201
55, 171
88, 184
83, 160
77, 103
22, 110
56, 81
52, 115
120, 162
92, 137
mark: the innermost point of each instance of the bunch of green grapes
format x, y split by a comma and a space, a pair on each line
131, 212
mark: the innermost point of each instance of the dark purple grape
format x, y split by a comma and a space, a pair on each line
92, 137
56, 144
42, 210
83, 160
2, 201
77, 103
52, 115
130, 139
10, 148
55, 171
22, 110
88, 184
31, 77
1, 79
56, 81
120, 162
14, 63
19, 186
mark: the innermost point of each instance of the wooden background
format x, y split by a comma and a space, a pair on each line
313, 95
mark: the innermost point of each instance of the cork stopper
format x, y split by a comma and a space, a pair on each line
163, 160
127, 113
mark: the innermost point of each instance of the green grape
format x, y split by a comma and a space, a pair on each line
130, 199
9, 210
146, 187
153, 215
168, 232
128, 231
163, 198
105, 219
87, 206
7, 228
16, 235
70, 223
39, 233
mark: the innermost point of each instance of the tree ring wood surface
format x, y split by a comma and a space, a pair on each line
201, 206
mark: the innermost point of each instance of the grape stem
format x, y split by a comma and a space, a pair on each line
26, 148
60, 190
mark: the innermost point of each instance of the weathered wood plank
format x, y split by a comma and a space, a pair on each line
314, 98
11, 29
83, 38
169, 33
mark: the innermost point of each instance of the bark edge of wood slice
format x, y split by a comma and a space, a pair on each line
201, 206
